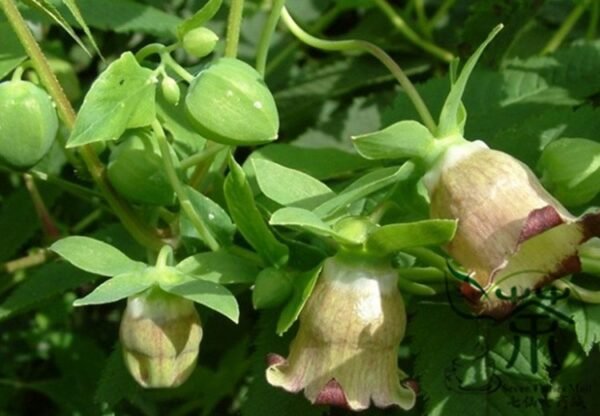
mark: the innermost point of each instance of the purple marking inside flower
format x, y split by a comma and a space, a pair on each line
538, 221
332, 394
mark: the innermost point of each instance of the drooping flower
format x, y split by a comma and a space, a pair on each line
513, 236
161, 335
346, 349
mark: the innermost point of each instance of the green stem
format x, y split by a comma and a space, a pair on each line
410, 34
440, 13
168, 60
200, 157
182, 195
234, 23
384, 58
422, 18
267, 33
136, 228
154, 49
50, 230
165, 257
87, 221
594, 17
566, 27
292, 47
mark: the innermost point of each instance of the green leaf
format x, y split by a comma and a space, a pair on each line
404, 139
51, 11
369, 183
126, 16
119, 287
45, 282
248, 219
11, 53
587, 324
219, 267
72, 6
122, 97
207, 12
323, 163
215, 218
304, 283
571, 170
289, 187
115, 383
306, 220
95, 256
209, 294
395, 237
464, 365
449, 117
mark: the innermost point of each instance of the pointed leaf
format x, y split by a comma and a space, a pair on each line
369, 183
248, 219
450, 115
288, 186
95, 256
202, 16
304, 284
215, 218
395, 237
72, 6
117, 288
122, 97
306, 220
209, 294
219, 267
404, 139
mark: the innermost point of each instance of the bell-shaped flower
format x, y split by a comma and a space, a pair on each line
513, 236
345, 352
161, 335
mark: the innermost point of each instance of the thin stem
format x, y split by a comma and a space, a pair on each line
384, 58
200, 157
292, 47
87, 221
50, 230
165, 257
566, 27
31, 260
234, 23
181, 192
410, 34
168, 60
136, 228
422, 18
267, 33
594, 17
440, 13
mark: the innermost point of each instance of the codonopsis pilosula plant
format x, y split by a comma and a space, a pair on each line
513, 236
351, 314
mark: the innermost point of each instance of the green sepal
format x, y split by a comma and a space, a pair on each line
405, 139
395, 237
219, 267
119, 287
452, 116
95, 256
198, 19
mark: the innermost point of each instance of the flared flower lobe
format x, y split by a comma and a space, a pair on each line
346, 349
513, 236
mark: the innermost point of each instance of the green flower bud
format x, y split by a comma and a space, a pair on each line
28, 124
346, 350
571, 170
161, 335
271, 289
200, 42
513, 236
136, 170
229, 103
170, 90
